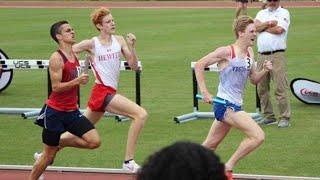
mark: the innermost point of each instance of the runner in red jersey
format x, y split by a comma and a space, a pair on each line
61, 112
66, 100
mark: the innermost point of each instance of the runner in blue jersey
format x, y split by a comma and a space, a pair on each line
236, 65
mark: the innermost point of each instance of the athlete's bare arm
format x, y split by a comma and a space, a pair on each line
85, 45
218, 56
128, 50
55, 68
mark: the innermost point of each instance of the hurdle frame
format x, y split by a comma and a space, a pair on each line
196, 114
7, 64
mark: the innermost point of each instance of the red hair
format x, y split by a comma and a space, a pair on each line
98, 14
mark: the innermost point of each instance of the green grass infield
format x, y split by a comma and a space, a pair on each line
167, 41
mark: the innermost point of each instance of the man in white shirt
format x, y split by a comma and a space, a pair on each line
272, 24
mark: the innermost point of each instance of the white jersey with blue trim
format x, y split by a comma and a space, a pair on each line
233, 78
106, 63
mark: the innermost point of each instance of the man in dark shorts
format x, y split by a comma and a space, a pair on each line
61, 112
241, 7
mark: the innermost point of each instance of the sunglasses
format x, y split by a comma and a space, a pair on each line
272, 0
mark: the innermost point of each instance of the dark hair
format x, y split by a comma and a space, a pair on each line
183, 160
56, 29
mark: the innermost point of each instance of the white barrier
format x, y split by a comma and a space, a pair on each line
44, 64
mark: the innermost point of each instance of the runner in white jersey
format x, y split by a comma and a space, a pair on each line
106, 63
236, 64
106, 50
234, 76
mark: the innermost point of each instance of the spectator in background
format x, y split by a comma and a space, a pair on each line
272, 24
241, 7
185, 161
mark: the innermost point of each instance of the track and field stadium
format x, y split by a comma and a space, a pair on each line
170, 35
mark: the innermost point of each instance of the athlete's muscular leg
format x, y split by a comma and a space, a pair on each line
43, 162
89, 140
93, 116
216, 134
123, 106
244, 8
238, 9
254, 135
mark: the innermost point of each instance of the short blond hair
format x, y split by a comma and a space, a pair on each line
240, 24
98, 14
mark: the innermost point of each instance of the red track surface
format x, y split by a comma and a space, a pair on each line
144, 4
23, 174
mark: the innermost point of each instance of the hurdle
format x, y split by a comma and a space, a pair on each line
196, 114
7, 65
29, 113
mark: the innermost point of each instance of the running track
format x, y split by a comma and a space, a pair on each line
16, 173
10, 172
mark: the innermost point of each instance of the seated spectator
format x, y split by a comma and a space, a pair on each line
183, 160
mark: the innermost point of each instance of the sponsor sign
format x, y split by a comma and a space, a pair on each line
306, 90
5, 74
